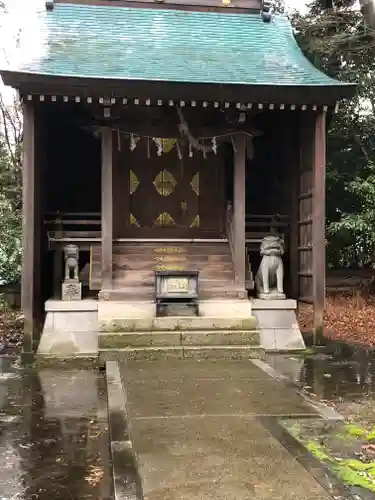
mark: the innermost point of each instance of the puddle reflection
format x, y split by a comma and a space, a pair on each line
345, 374
343, 378
53, 435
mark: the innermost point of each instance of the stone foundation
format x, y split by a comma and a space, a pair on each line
70, 330
277, 322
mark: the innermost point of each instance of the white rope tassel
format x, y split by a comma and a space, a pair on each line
190, 150
214, 145
179, 153
233, 144
133, 143
159, 145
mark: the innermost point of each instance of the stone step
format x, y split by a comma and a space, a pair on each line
177, 323
178, 338
147, 292
185, 352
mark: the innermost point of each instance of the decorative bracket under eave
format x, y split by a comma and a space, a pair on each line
266, 11
49, 5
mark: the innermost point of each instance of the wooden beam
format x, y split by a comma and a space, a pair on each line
239, 210
107, 208
29, 247
318, 229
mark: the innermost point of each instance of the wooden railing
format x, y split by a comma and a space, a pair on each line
258, 226
73, 226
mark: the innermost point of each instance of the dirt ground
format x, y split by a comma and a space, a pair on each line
347, 317
11, 330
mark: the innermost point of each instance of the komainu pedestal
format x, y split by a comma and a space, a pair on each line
71, 288
270, 276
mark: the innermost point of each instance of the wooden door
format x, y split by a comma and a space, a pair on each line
173, 197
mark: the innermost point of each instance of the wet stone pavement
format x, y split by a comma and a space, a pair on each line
54, 439
53, 434
200, 431
343, 379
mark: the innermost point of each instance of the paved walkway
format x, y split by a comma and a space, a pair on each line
197, 432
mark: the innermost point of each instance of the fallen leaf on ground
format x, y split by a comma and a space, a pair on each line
346, 318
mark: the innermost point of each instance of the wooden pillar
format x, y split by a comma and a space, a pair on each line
120, 180
30, 286
318, 220
107, 208
239, 210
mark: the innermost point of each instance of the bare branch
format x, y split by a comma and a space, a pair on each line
11, 122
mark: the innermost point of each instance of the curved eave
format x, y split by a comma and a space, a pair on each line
111, 87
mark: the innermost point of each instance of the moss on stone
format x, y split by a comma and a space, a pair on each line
66, 363
356, 473
248, 323
354, 430
351, 471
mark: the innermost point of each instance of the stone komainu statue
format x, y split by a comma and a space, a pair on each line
270, 276
71, 254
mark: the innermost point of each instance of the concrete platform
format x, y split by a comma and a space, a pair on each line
278, 325
197, 434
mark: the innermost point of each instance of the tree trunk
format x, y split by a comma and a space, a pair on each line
368, 11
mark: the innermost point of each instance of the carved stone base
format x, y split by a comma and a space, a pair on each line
272, 296
71, 290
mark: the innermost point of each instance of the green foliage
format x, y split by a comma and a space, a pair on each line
335, 37
10, 216
10, 184
352, 472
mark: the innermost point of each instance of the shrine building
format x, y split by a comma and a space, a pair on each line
167, 136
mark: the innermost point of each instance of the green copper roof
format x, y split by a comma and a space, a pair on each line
167, 45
